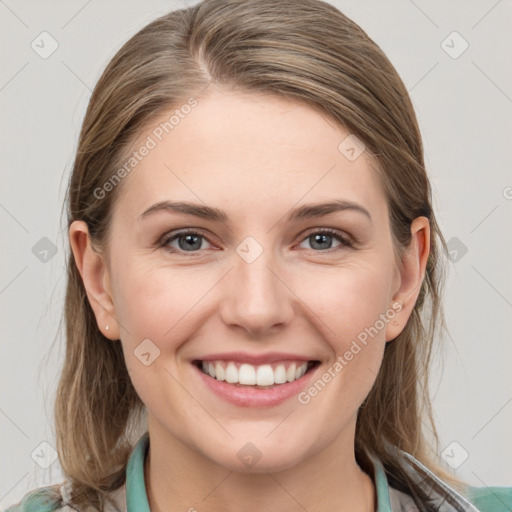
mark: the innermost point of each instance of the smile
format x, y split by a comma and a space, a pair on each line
265, 375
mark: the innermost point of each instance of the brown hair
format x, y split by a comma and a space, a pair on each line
303, 50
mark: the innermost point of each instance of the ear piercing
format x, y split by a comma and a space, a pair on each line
106, 327
396, 321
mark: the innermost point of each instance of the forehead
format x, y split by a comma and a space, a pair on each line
247, 150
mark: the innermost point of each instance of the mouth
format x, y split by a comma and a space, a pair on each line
263, 376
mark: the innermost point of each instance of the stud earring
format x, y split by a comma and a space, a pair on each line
106, 327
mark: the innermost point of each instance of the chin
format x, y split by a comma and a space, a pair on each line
251, 460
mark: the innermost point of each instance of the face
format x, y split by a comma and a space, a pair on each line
263, 285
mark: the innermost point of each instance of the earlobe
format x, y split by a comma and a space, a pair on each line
95, 276
412, 272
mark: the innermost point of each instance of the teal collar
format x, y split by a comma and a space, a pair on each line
381, 485
136, 497
137, 500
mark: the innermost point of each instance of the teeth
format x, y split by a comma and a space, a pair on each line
231, 373
264, 375
250, 375
290, 373
220, 373
299, 372
247, 375
280, 375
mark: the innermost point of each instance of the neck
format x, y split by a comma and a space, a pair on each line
179, 478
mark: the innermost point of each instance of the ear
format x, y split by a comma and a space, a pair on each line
411, 273
96, 279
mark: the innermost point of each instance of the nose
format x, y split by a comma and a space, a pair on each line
256, 296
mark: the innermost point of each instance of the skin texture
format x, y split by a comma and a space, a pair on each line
255, 157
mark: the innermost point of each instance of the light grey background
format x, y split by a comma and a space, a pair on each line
464, 106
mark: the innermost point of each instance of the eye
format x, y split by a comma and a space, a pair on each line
188, 241
323, 239
191, 241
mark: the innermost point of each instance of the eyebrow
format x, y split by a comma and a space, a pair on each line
305, 211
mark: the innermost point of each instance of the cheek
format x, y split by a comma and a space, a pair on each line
155, 301
348, 300
353, 308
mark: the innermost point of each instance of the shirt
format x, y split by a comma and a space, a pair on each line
132, 497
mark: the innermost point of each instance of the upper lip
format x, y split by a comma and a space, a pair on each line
255, 359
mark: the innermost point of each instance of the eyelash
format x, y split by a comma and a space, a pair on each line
169, 237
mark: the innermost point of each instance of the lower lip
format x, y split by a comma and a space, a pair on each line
250, 396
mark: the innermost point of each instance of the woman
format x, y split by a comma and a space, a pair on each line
256, 271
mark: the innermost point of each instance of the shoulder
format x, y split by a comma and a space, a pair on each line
489, 499
56, 498
43, 499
